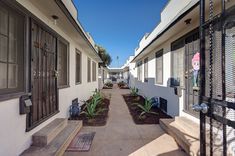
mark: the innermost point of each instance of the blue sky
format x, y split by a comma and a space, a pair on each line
119, 25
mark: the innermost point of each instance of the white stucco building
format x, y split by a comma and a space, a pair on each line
162, 63
54, 75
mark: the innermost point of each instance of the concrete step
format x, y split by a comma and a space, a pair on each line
44, 136
163, 145
185, 132
188, 126
59, 144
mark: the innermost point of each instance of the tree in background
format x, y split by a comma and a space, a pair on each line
104, 55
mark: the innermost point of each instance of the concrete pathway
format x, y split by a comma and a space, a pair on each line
122, 137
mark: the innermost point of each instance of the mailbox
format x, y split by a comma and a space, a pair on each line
25, 104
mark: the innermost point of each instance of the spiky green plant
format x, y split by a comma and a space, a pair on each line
146, 108
90, 108
134, 91
97, 95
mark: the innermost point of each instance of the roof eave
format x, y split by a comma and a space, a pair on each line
136, 58
77, 27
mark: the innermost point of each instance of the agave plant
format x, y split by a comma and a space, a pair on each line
134, 91
90, 108
146, 108
97, 95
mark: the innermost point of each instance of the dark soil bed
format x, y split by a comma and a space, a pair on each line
135, 111
105, 87
98, 120
124, 87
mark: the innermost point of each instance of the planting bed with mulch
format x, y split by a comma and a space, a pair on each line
98, 120
124, 87
135, 111
105, 87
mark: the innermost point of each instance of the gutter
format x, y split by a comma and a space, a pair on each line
76, 26
166, 29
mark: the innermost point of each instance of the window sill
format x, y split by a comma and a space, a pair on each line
63, 87
10, 96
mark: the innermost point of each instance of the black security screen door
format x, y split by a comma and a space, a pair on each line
217, 78
43, 76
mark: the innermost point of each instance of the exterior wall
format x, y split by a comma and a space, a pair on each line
174, 103
14, 140
150, 89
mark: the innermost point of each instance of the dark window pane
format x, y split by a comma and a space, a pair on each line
146, 70
63, 64
178, 66
139, 71
12, 76
78, 66
3, 77
11, 50
3, 21
3, 48
88, 70
159, 67
93, 71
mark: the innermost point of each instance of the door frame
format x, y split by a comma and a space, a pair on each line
175, 45
29, 124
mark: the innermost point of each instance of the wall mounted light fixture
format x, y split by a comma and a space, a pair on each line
188, 21
55, 18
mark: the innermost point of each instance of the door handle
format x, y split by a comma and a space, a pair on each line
200, 107
56, 73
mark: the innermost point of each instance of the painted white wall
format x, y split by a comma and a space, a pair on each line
14, 140
150, 89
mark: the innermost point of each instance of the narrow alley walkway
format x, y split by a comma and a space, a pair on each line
121, 136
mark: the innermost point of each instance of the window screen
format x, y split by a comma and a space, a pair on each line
178, 67
159, 67
88, 70
93, 71
146, 70
139, 71
63, 64
78, 67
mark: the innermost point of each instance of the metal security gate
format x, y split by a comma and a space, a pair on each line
43, 76
217, 78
